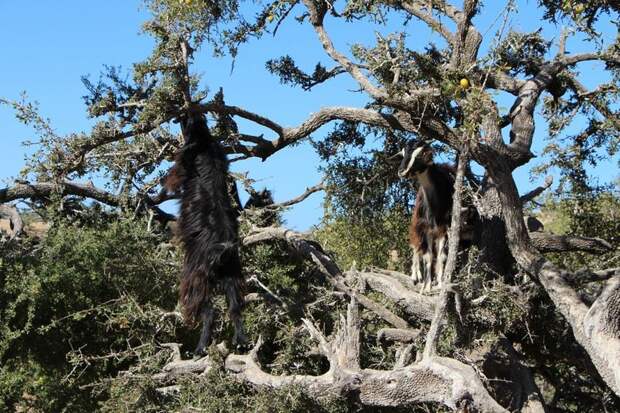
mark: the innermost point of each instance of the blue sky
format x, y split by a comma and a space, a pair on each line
47, 46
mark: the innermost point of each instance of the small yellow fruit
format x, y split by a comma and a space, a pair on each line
270, 18
464, 83
579, 8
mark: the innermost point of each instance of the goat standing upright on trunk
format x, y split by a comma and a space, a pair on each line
428, 232
208, 228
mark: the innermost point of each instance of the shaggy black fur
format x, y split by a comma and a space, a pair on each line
208, 228
261, 216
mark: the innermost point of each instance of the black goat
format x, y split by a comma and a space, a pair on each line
208, 229
257, 207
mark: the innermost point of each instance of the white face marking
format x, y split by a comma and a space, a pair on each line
411, 161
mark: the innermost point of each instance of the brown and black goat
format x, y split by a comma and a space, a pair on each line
428, 232
208, 229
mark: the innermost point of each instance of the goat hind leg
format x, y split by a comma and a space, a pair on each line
234, 296
416, 273
206, 315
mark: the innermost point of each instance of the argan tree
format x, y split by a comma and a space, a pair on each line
522, 326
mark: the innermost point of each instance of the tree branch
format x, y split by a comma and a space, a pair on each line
333, 275
413, 303
593, 328
598, 104
546, 242
439, 380
585, 275
309, 191
43, 190
415, 9
397, 334
317, 10
16, 224
584, 57
530, 196
264, 148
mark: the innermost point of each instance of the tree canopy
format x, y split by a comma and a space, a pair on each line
529, 321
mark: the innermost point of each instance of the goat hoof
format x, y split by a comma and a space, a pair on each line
243, 346
200, 352
241, 342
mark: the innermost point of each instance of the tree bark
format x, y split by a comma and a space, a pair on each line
491, 232
595, 329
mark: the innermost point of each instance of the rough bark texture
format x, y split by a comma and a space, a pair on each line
601, 343
16, 224
491, 233
545, 242
512, 381
440, 380
413, 303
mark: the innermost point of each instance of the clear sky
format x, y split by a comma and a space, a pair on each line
46, 46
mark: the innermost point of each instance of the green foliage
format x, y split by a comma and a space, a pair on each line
214, 393
583, 13
591, 214
83, 311
65, 296
522, 53
288, 72
366, 241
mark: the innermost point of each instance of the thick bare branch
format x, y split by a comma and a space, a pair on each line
16, 224
584, 57
43, 190
586, 275
497, 79
310, 250
602, 344
264, 148
521, 113
397, 334
546, 242
530, 196
40, 190
602, 326
413, 303
439, 380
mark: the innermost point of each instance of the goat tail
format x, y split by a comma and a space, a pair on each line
199, 277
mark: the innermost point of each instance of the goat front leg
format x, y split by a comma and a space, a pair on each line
440, 245
206, 315
416, 271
